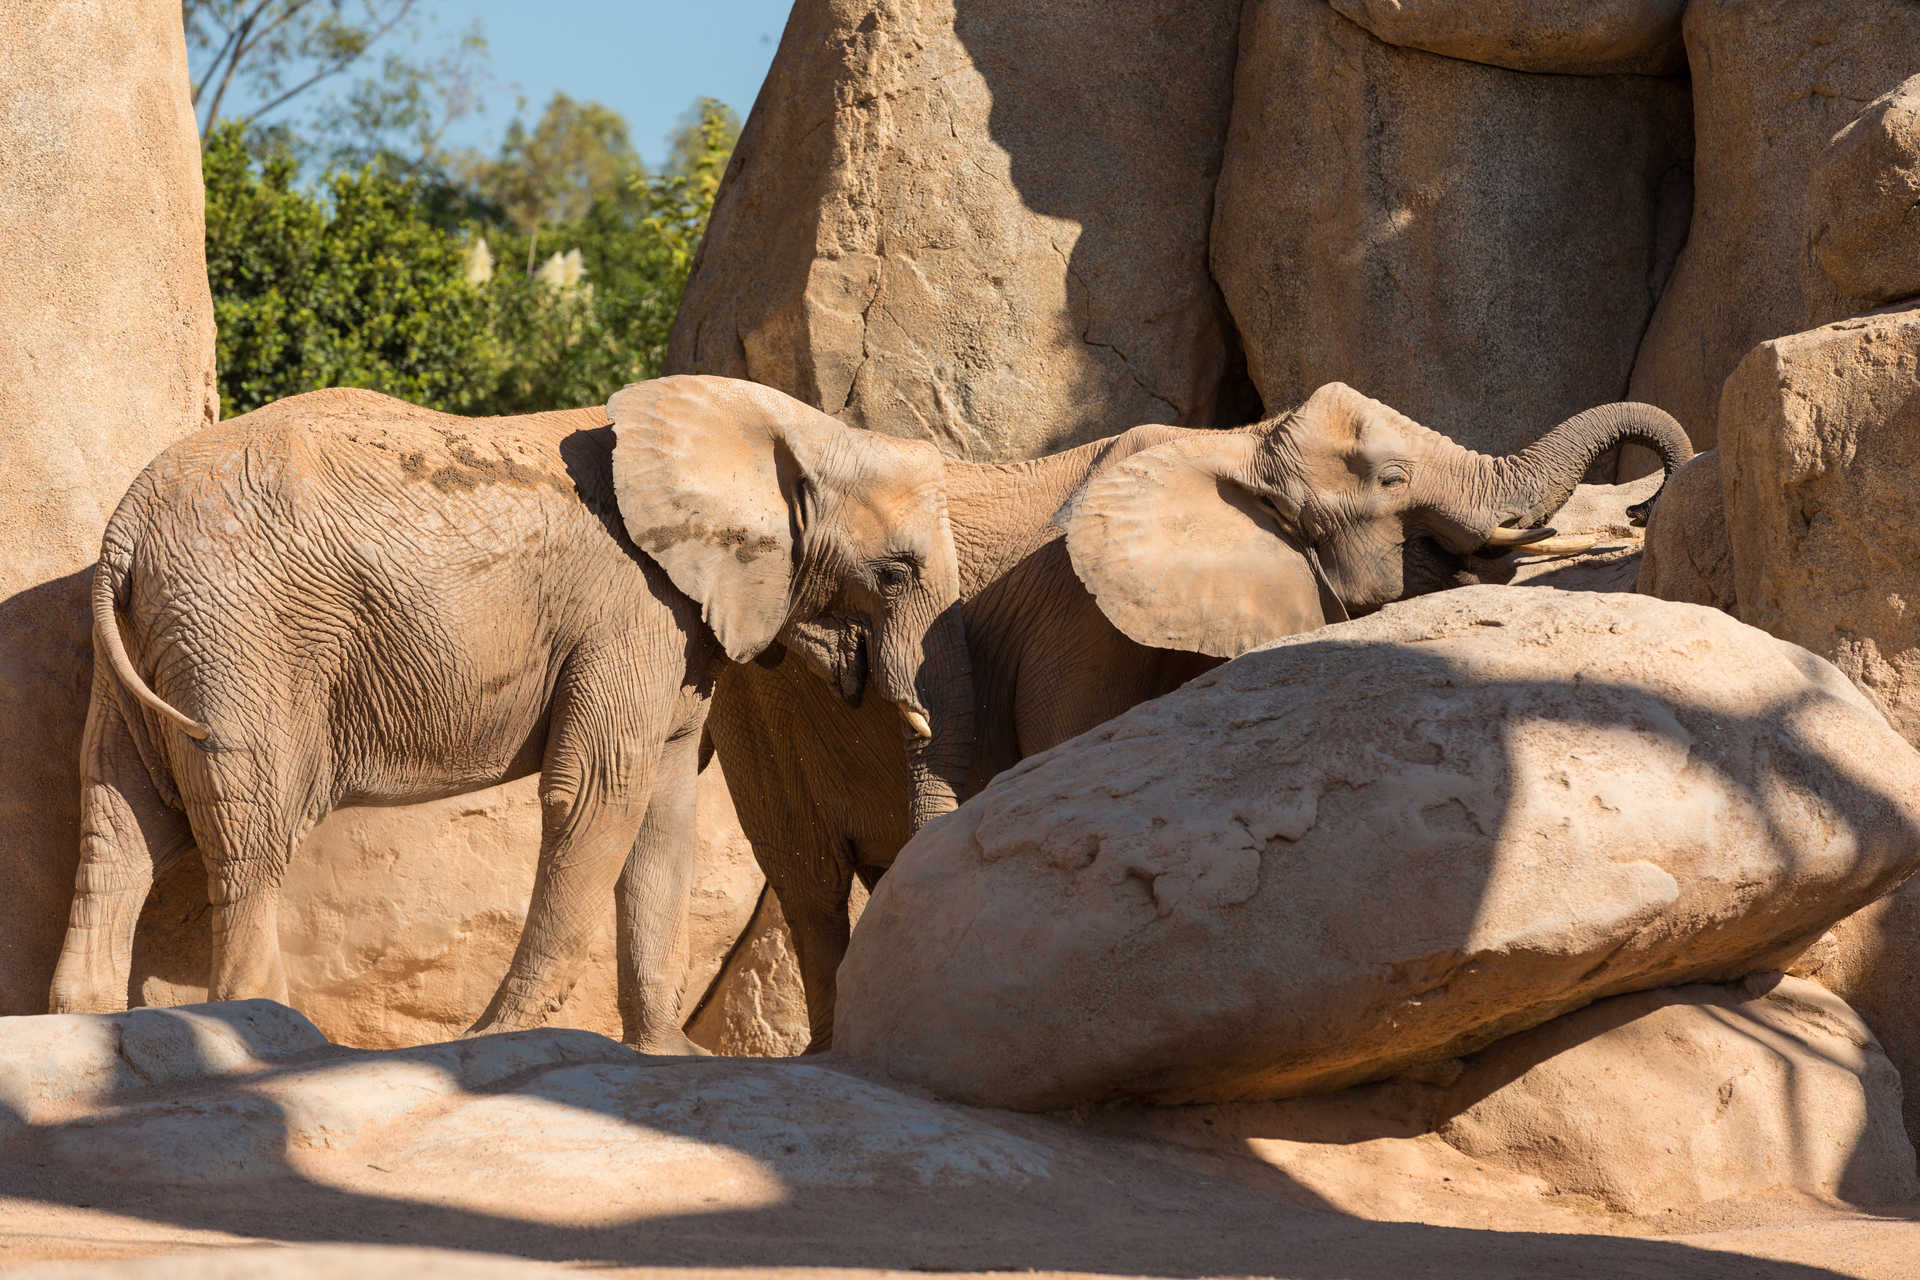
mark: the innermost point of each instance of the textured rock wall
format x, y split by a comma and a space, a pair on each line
1773, 81
983, 223
106, 357
1477, 247
1686, 556
1863, 201
1819, 466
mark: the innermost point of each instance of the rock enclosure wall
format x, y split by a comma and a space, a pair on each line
1477, 247
1773, 81
106, 357
983, 223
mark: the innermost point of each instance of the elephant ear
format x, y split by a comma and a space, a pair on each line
1180, 554
711, 474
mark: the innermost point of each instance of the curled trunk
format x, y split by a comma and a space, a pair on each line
1538, 480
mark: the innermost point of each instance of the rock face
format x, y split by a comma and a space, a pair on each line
106, 357
1660, 1105
1477, 247
1869, 959
756, 1004
1579, 37
1863, 203
1773, 81
1003, 243
1686, 556
397, 924
1379, 844
196, 1126
1821, 457
1777, 1086
58, 1066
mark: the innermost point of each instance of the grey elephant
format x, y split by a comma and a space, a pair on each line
344, 599
1174, 549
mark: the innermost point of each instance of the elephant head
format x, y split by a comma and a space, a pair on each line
1219, 541
785, 525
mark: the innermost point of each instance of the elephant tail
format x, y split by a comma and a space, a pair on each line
109, 592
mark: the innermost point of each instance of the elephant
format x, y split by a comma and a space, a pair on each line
1097, 578
345, 599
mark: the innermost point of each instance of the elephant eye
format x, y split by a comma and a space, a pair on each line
894, 576
1393, 477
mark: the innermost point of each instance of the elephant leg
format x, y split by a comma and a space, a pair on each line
248, 815
128, 833
603, 754
814, 887
651, 906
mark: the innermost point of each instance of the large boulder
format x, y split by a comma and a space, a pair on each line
1663, 1105
1774, 1085
106, 357
398, 923
1577, 37
1870, 960
1686, 556
1821, 459
1478, 247
1379, 844
1863, 202
562, 1144
982, 224
1773, 81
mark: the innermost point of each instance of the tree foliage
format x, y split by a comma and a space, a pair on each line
252, 58
376, 277
355, 285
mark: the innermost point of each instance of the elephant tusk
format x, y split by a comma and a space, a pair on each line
1505, 537
917, 723
1575, 544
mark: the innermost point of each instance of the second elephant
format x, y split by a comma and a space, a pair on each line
1181, 547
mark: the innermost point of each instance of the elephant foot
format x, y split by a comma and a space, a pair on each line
670, 1044
81, 986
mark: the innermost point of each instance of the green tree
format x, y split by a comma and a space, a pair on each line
251, 58
572, 345
576, 155
354, 286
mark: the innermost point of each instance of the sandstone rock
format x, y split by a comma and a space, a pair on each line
1477, 247
1863, 203
1686, 557
58, 1065
304, 1262
1003, 247
1821, 457
1662, 1105
1773, 80
106, 357
563, 1144
398, 923
756, 1004
1379, 844
1774, 1086
1869, 960
1578, 37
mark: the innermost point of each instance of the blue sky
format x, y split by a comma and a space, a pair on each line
647, 59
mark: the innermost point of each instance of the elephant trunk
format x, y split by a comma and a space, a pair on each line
925, 671
1537, 481
939, 765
